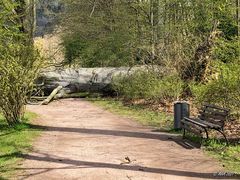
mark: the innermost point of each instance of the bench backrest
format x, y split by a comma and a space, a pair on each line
214, 114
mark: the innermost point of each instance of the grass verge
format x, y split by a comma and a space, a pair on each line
229, 156
158, 120
13, 143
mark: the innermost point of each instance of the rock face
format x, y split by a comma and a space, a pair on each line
82, 79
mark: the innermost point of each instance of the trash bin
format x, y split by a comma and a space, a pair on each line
181, 110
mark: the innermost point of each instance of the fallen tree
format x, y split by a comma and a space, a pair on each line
64, 83
82, 79
79, 80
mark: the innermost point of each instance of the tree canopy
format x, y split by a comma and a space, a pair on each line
118, 33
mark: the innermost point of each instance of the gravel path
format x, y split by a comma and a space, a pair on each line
83, 141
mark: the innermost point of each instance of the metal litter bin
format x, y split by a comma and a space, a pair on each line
181, 110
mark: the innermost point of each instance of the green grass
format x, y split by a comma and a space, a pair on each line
14, 142
158, 120
229, 156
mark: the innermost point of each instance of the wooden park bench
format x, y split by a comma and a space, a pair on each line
210, 117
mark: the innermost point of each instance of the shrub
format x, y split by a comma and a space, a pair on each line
19, 65
148, 85
227, 51
224, 91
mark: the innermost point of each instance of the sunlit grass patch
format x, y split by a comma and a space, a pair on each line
14, 141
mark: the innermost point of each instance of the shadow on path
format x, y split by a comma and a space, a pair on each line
76, 164
145, 135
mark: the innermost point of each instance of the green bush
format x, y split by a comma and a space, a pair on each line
148, 85
227, 51
19, 64
170, 88
224, 90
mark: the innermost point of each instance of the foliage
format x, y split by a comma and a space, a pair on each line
224, 90
14, 142
19, 65
114, 32
99, 37
227, 51
149, 85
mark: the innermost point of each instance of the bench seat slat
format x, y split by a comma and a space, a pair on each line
215, 107
196, 122
203, 123
186, 123
210, 125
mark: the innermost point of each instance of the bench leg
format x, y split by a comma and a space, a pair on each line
224, 137
184, 133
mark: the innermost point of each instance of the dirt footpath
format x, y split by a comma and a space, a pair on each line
83, 141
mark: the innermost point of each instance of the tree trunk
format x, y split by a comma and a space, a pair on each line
26, 17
